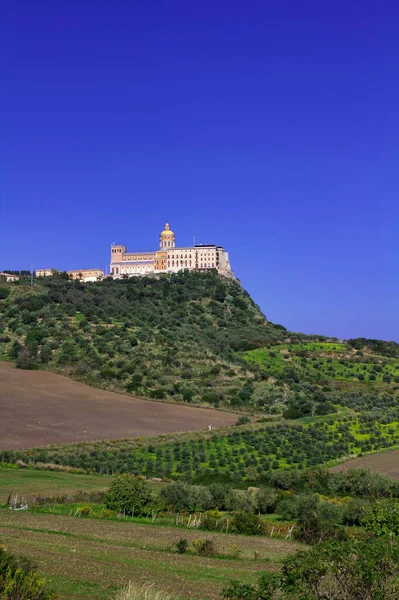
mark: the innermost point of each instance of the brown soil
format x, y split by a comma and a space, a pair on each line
386, 463
38, 408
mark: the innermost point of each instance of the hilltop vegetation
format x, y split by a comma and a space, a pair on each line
164, 337
191, 337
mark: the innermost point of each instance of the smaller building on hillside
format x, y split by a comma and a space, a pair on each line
45, 272
9, 277
86, 275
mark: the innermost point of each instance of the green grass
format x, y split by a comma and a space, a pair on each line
29, 481
87, 558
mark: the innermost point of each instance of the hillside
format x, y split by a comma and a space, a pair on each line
166, 337
192, 337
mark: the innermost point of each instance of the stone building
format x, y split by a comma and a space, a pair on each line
86, 275
169, 258
45, 272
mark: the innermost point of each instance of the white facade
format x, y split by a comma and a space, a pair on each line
168, 259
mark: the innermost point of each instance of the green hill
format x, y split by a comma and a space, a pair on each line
189, 337
163, 337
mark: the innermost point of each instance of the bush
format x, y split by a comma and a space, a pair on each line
246, 523
142, 592
204, 547
264, 590
176, 495
129, 494
14, 350
354, 511
19, 580
356, 569
243, 420
181, 546
382, 517
266, 499
241, 501
26, 361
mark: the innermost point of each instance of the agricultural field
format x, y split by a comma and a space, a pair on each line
324, 361
86, 558
44, 408
28, 482
386, 463
245, 453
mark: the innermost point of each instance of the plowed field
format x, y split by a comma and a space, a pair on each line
38, 408
386, 463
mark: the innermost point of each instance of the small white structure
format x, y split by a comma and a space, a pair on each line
9, 276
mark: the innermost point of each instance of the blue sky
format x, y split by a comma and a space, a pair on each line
269, 128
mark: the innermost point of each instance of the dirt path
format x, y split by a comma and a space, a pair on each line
39, 408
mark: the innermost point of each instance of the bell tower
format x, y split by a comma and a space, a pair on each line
167, 238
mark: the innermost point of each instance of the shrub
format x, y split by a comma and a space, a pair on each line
382, 517
176, 495
181, 546
204, 547
243, 420
247, 523
25, 360
129, 494
266, 499
20, 581
265, 589
240, 500
354, 511
14, 350
142, 592
84, 511
356, 569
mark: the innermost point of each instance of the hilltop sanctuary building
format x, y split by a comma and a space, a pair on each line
169, 258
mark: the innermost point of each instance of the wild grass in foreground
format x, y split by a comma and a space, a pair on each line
142, 592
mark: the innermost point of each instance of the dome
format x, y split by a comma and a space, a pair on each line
167, 231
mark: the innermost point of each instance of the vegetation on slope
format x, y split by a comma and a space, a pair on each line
250, 453
165, 337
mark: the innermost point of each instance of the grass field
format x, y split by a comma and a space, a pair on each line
27, 482
86, 558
